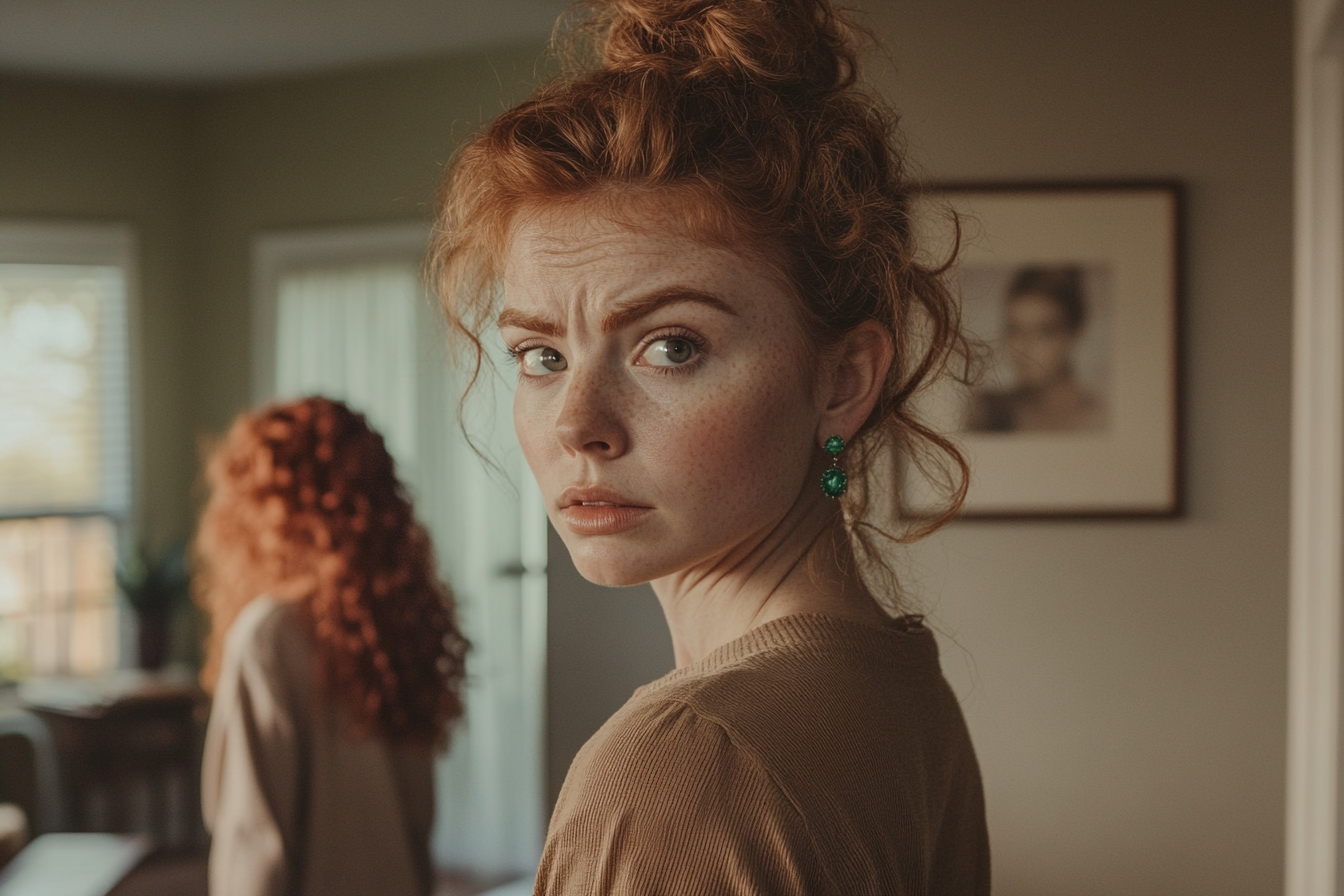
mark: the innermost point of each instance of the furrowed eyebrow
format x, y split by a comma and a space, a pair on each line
632, 311
511, 318
623, 316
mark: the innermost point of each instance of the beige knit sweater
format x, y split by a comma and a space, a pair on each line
814, 755
296, 804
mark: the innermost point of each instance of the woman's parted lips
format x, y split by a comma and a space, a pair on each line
596, 511
595, 496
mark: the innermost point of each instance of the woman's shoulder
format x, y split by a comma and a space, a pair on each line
268, 633
662, 799
744, 753
650, 735
821, 704
778, 694
662, 752
265, 617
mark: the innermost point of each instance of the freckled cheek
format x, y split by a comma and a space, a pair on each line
737, 452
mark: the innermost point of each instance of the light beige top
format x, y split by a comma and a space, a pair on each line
814, 755
294, 803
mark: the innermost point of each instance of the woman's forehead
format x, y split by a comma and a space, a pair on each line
679, 214
567, 266
619, 250
574, 236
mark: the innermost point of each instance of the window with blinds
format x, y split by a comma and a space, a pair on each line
65, 464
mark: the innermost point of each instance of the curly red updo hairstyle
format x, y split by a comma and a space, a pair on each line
745, 118
305, 505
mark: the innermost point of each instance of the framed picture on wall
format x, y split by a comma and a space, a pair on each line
1072, 293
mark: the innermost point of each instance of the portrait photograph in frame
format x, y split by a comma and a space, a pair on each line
1071, 294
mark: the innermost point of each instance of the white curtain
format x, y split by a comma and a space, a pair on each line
366, 334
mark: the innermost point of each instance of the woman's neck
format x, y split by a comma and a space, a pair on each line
802, 565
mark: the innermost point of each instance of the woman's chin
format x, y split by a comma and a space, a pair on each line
610, 566
611, 575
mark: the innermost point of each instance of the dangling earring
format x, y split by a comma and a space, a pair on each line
834, 480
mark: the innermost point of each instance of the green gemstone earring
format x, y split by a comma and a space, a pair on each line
834, 480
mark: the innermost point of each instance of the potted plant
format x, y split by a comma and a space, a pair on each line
154, 586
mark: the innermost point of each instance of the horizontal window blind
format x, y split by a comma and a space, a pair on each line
64, 420
65, 443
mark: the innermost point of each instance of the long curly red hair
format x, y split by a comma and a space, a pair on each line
305, 505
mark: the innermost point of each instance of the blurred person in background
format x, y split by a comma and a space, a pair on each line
334, 658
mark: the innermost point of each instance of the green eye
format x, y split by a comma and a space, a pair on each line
542, 361
669, 352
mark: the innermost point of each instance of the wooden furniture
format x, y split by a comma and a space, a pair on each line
128, 748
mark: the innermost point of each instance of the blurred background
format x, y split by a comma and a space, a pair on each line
207, 204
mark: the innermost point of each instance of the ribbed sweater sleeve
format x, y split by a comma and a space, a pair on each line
665, 784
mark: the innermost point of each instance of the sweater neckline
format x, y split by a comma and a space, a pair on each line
908, 635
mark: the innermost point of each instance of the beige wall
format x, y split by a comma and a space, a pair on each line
1124, 680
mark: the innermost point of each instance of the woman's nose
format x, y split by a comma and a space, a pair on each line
590, 421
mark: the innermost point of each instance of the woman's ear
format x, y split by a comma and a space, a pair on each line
858, 371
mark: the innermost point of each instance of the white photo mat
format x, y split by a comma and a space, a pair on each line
1122, 244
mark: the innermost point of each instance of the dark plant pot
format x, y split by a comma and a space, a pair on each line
152, 639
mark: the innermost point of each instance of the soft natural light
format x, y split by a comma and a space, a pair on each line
51, 421
64, 465
57, 612
350, 332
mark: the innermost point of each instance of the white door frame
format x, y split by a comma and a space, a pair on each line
1316, 568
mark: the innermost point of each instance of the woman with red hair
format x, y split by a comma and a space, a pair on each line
334, 657
697, 243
